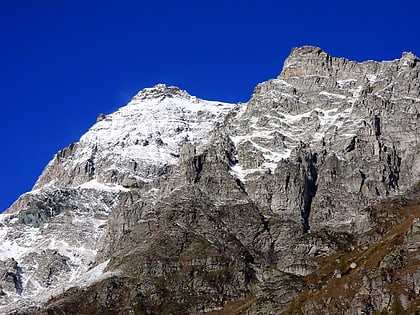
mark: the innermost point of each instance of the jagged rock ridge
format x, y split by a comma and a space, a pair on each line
174, 205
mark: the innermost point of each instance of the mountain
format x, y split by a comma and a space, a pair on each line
304, 200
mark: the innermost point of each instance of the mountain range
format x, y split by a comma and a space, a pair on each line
304, 200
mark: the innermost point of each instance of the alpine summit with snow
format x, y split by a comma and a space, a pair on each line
304, 200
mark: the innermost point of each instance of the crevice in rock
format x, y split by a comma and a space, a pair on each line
394, 164
241, 185
310, 190
17, 279
90, 168
352, 145
198, 167
377, 124
286, 182
363, 176
19, 284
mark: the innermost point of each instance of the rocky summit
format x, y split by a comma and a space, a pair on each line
304, 200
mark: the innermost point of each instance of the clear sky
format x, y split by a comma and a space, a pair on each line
65, 61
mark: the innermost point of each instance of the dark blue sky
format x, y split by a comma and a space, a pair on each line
64, 62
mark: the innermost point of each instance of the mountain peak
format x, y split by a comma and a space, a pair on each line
307, 60
145, 135
162, 91
174, 204
314, 61
307, 50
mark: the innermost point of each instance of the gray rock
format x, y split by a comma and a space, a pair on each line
303, 200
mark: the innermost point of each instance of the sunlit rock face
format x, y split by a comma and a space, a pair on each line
173, 204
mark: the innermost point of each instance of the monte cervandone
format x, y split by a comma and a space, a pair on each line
304, 200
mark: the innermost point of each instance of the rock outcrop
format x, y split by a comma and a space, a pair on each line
304, 200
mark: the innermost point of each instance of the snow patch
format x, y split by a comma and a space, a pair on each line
331, 95
94, 184
372, 78
282, 83
240, 173
344, 83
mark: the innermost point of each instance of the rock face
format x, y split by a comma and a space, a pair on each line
304, 200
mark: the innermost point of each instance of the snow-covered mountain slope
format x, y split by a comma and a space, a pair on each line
174, 204
274, 133
50, 237
323, 102
350, 128
138, 142
51, 243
